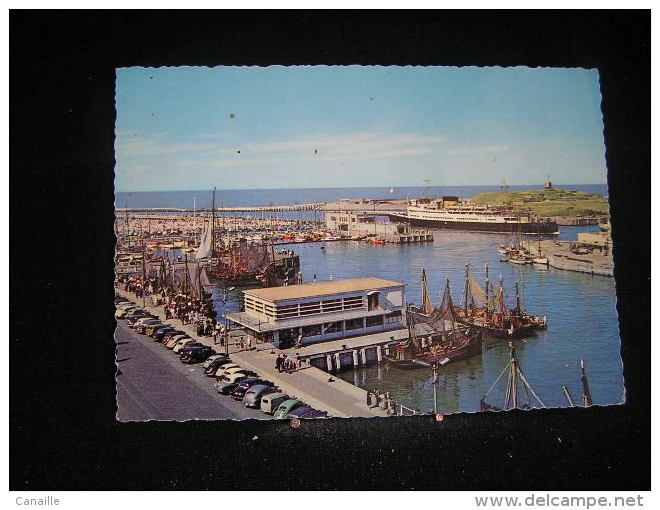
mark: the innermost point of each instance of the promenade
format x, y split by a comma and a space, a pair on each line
310, 384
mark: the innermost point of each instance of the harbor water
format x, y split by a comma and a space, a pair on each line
580, 308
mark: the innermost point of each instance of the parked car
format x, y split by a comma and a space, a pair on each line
218, 368
228, 383
125, 304
186, 342
122, 313
151, 330
314, 413
253, 396
270, 402
241, 389
141, 323
158, 335
287, 406
192, 355
182, 343
211, 359
299, 412
137, 315
229, 371
168, 336
175, 339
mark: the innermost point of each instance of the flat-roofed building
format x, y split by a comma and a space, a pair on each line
322, 311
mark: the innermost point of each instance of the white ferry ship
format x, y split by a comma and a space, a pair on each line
452, 213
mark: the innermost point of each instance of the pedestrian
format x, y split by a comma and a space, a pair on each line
299, 340
278, 363
298, 362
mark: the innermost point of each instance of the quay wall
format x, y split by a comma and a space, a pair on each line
560, 257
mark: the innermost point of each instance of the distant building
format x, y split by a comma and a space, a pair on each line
362, 223
322, 311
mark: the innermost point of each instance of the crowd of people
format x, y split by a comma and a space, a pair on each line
288, 364
187, 309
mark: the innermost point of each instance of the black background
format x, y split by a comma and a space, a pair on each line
62, 401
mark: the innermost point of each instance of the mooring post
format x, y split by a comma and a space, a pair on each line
379, 353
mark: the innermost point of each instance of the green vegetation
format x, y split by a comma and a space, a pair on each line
553, 202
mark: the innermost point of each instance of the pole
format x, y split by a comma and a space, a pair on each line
435, 389
225, 333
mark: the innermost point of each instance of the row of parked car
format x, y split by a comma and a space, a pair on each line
231, 380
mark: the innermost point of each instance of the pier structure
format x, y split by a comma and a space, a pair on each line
362, 223
578, 257
267, 208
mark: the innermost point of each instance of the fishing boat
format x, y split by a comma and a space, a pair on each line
434, 334
453, 213
239, 263
487, 309
517, 394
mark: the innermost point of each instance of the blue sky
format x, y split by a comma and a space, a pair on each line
191, 128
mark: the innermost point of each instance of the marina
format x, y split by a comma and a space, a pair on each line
376, 358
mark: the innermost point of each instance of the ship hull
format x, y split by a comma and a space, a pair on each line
495, 228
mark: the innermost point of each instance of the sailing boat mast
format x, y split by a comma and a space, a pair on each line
213, 223
427, 305
467, 286
586, 392
487, 293
515, 378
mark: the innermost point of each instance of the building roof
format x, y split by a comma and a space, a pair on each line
321, 289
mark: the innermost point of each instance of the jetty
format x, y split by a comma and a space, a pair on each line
574, 256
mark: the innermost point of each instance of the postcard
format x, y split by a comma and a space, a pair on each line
321, 242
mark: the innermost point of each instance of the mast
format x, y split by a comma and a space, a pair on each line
195, 220
467, 286
514, 398
586, 392
185, 274
427, 305
487, 293
518, 298
213, 223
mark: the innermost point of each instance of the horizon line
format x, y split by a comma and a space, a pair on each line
354, 187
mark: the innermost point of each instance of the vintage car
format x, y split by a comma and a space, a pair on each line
183, 343
133, 317
217, 369
241, 389
299, 412
175, 340
122, 313
253, 396
287, 406
211, 359
190, 355
168, 336
158, 335
228, 383
270, 402
151, 330
141, 324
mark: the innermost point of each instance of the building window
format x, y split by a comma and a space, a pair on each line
332, 327
374, 321
393, 317
314, 330
354, 324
